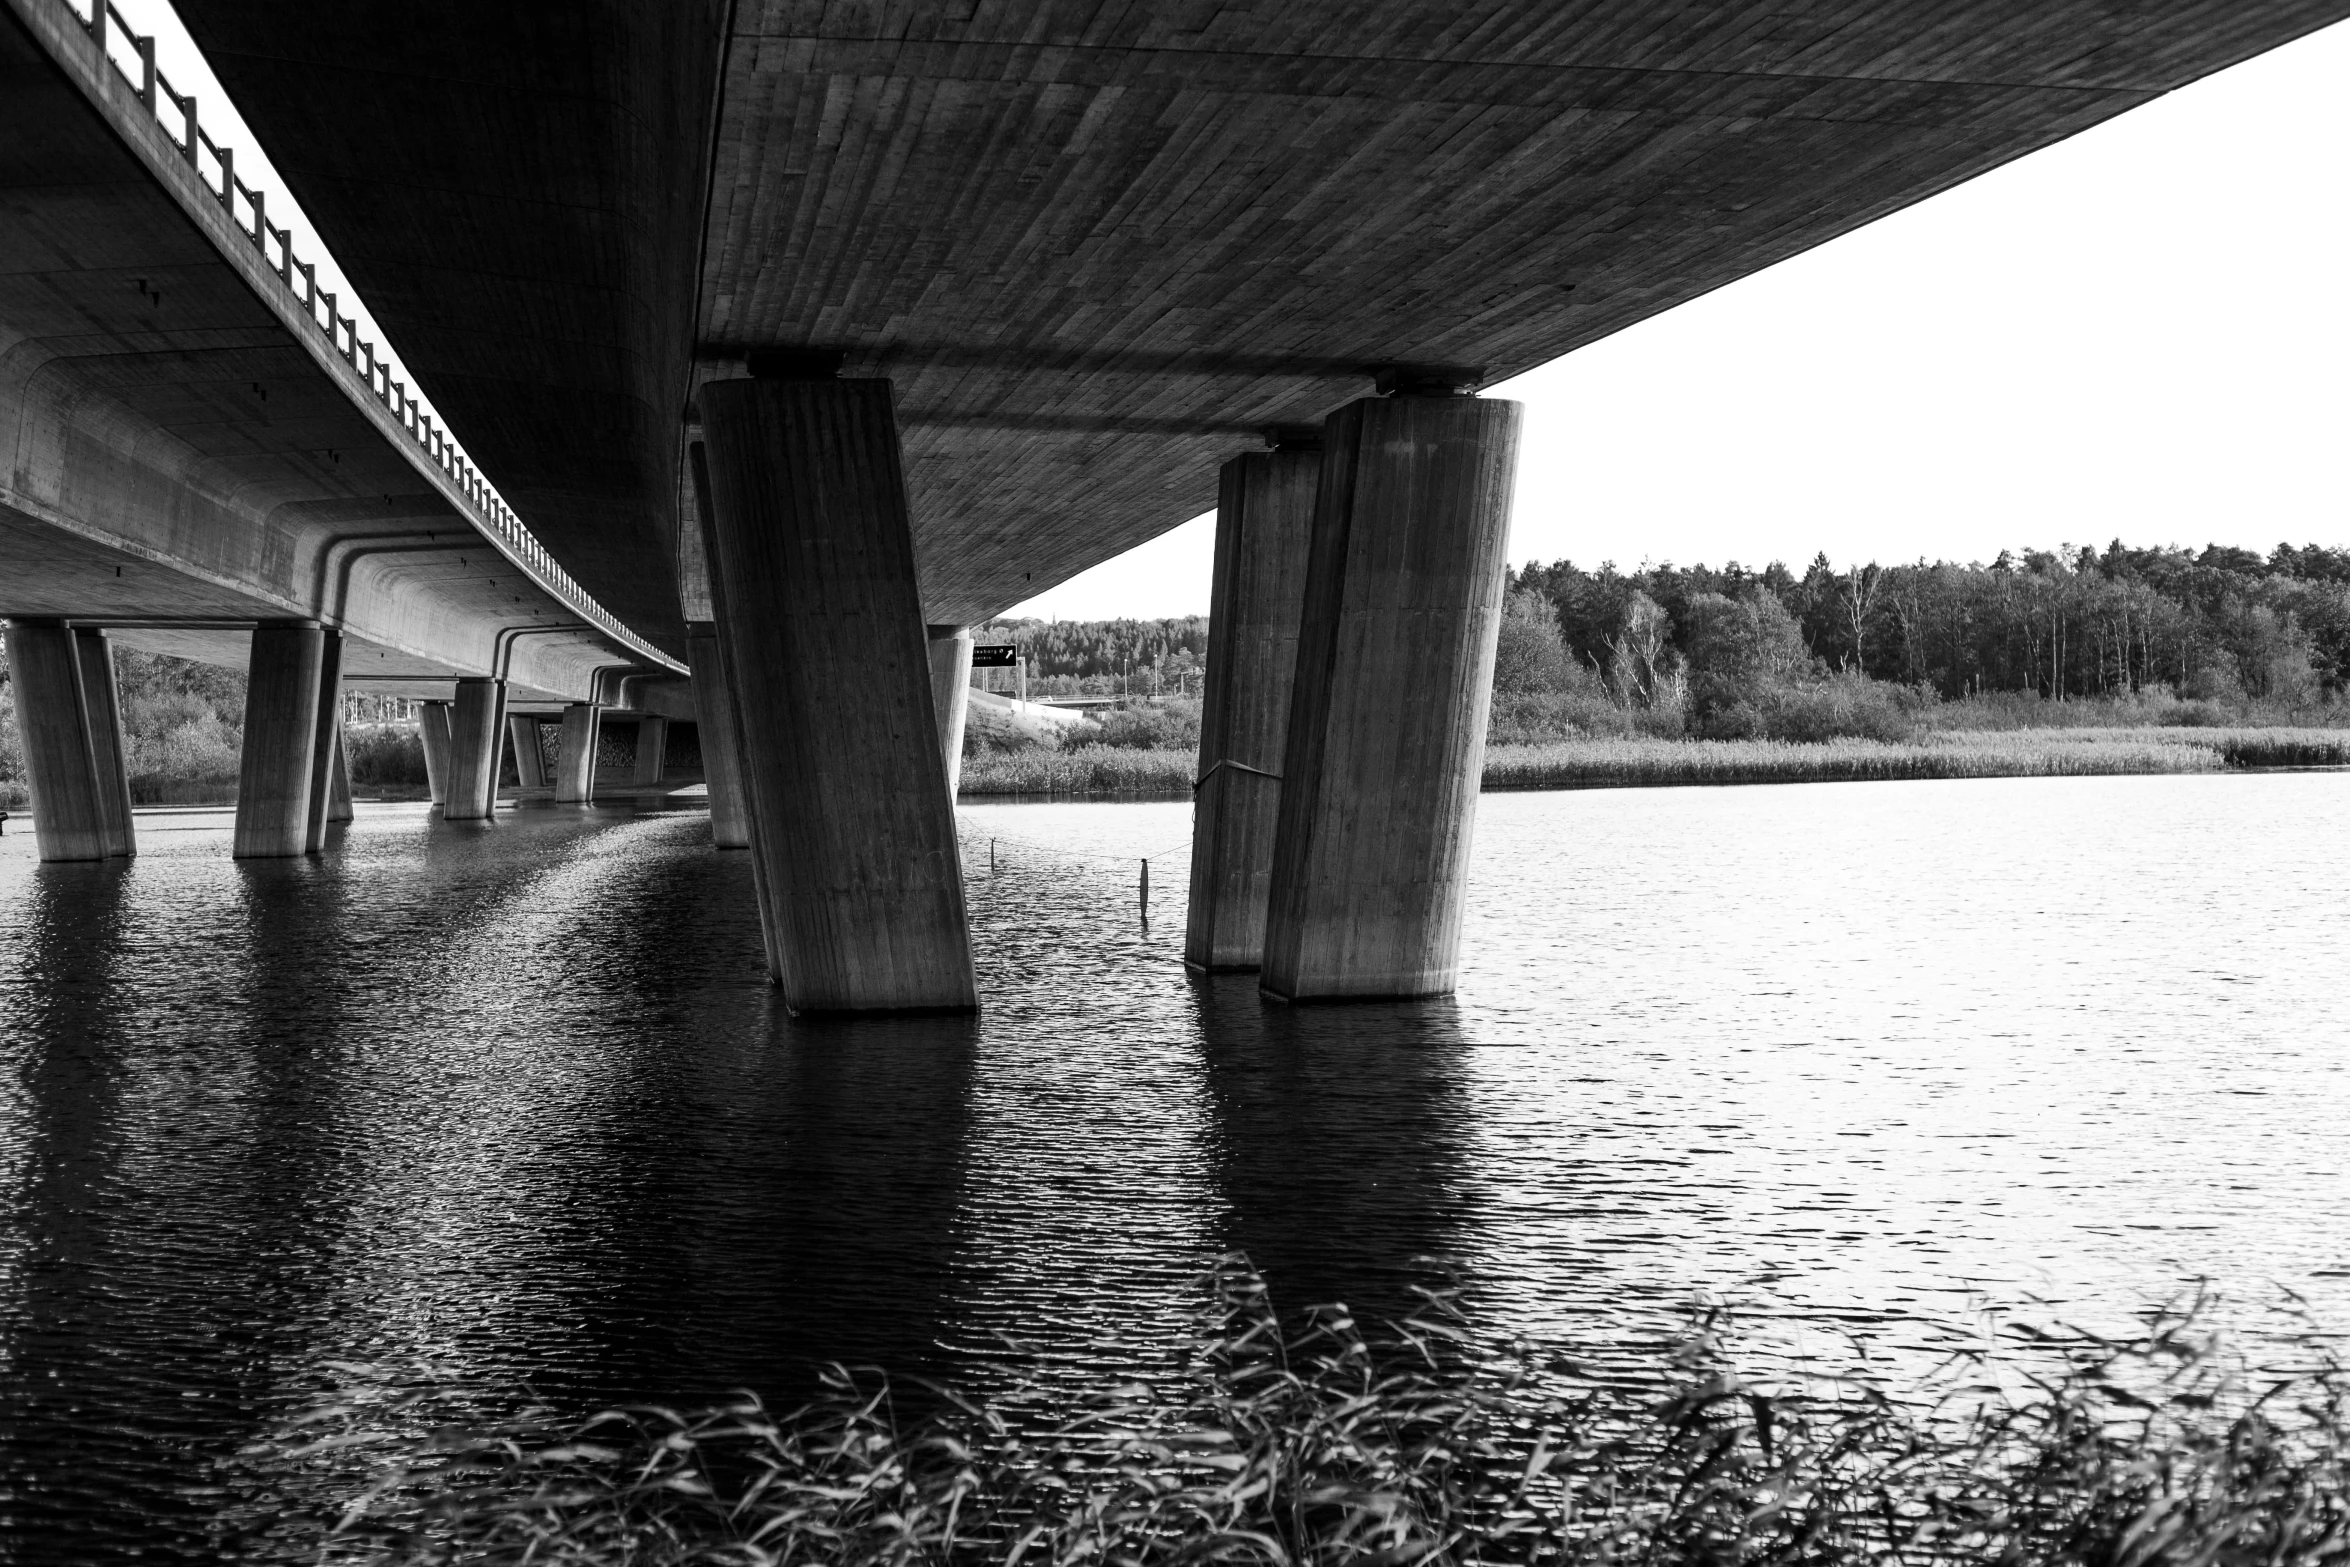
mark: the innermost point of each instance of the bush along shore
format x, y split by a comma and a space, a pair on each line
1314, 1443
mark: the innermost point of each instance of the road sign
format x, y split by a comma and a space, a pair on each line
1004, 657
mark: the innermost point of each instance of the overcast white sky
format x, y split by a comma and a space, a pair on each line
2142, 332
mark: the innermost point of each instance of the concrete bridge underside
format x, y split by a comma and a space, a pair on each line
184, 460
1099, 246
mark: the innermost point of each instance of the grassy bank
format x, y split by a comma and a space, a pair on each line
1306, 1443
1636, 762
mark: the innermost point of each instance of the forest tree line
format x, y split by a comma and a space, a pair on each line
1865, 649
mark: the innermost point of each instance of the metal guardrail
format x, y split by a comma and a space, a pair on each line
489, 513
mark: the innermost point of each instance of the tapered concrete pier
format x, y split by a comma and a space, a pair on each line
1264, 520
432, 727
950, 695
652, 749
860, 878
575, 755
730, 827
530, 763
53, 725
476, 733
339, 801
109, 755
722, 745
282, 685
1387, 711
328, 743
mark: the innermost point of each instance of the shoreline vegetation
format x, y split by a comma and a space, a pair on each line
2047, 664
1621, 762
1313, 1443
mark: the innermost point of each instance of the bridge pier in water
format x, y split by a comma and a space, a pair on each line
1264, 519
1401, 611
432, 727
859, 873
730, 826
530, 764
72, 818
282, 684
652, 749
477, 723
109, 757
950, 696
326, 742
575, 754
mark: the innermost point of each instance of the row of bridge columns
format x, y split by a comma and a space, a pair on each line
294, 774
1357, 601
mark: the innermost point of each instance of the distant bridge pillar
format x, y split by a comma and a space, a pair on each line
1387, 714
476, 736
53, 725
282, 685
859, 873
339, 802
950, 695
328, 743
432, 726
575, 755
1264, 518
652, 749
530, 763
730, 827
109, 756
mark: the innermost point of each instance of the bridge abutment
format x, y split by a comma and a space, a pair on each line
950, 695
575, 755
860, 874
1264, 520
1401, 611
282, 685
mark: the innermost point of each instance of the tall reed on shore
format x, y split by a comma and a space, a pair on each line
1324, 1445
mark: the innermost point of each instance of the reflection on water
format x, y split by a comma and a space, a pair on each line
517, 1099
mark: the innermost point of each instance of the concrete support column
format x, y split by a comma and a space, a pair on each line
53, 725
432, 725
109, 756
575, 755
1264, 520
328, 744
282, 685
339, 802
474, 741
530, 764
652, 749
950, 695
859, 872
1387, 712
730, 827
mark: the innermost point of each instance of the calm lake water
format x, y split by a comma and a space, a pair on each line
1866, 1061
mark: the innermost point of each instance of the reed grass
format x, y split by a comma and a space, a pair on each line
1324, 1445
1626, 762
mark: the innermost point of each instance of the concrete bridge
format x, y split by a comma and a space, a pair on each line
793, 338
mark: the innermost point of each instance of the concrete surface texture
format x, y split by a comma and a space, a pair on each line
1098, 246
185, 457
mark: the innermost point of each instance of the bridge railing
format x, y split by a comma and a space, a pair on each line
132, 56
